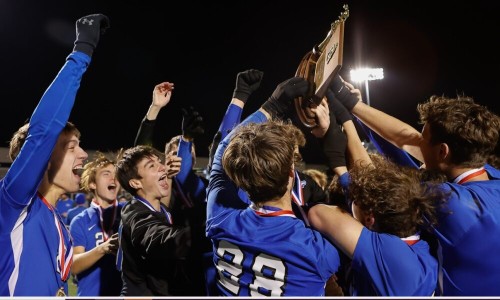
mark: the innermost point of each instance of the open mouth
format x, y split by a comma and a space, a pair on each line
163, 181
78, 170
112, 187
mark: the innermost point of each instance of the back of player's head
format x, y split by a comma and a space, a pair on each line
127, 165
259, 158
395, 195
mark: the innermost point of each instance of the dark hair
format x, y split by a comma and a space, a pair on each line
126, 167
469, 129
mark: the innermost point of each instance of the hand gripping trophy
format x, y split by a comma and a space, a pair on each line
318, 67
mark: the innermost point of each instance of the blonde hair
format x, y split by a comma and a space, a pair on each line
319, 176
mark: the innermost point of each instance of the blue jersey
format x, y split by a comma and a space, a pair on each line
384, 265
102, 279
192, 187
469, 238
393, 153
72, 213
36, 247
63, 206
256, 255
231, 119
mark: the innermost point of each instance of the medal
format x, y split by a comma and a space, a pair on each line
60, 292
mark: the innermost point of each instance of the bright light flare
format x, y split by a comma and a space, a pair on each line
367, 74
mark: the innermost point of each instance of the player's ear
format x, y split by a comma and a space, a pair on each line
92, 186
369, 220
135, 183
444, 151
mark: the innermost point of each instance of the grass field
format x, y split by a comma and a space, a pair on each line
71, 287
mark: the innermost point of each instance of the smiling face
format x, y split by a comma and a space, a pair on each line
66, 163
106, 186
152, 183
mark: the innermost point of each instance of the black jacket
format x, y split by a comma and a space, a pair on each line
153, 251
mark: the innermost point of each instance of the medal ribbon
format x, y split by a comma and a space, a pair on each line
298, 198
65, 255
109, 232
146, 202
297, 194
411, 240
466, 176
270, 211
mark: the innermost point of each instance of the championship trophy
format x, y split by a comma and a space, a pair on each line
319, 66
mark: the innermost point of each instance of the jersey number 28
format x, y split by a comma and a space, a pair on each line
269, 272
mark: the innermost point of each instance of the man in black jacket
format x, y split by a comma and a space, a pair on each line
152, 247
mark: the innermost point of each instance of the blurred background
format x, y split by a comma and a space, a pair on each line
424, 47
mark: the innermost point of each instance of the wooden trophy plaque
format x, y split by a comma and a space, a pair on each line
318, 67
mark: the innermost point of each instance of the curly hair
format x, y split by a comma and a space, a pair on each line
469, 129
494, 158
259, 158
396, 196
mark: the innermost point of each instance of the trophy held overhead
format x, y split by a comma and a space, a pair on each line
319, 66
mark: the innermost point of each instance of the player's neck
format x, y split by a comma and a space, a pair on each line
155, 202
104, 203
50, 193
283, 202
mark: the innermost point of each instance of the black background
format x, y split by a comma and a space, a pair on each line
425, 48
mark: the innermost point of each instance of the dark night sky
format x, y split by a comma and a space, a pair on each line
200, 46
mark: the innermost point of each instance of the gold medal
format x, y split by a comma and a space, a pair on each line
60, 292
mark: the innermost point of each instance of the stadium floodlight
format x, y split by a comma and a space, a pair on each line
366, 75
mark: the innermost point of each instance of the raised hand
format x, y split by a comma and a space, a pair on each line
246, 83
334, 145
322, 119
340, 111
162, 94
173, 164
88, 31
192, 124
279, 102
342, 91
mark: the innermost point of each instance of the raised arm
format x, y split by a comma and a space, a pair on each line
51, 115
222, 192
357, 152
338, 226
161, 97
246, 83
190, 184
397, 132
387, 149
